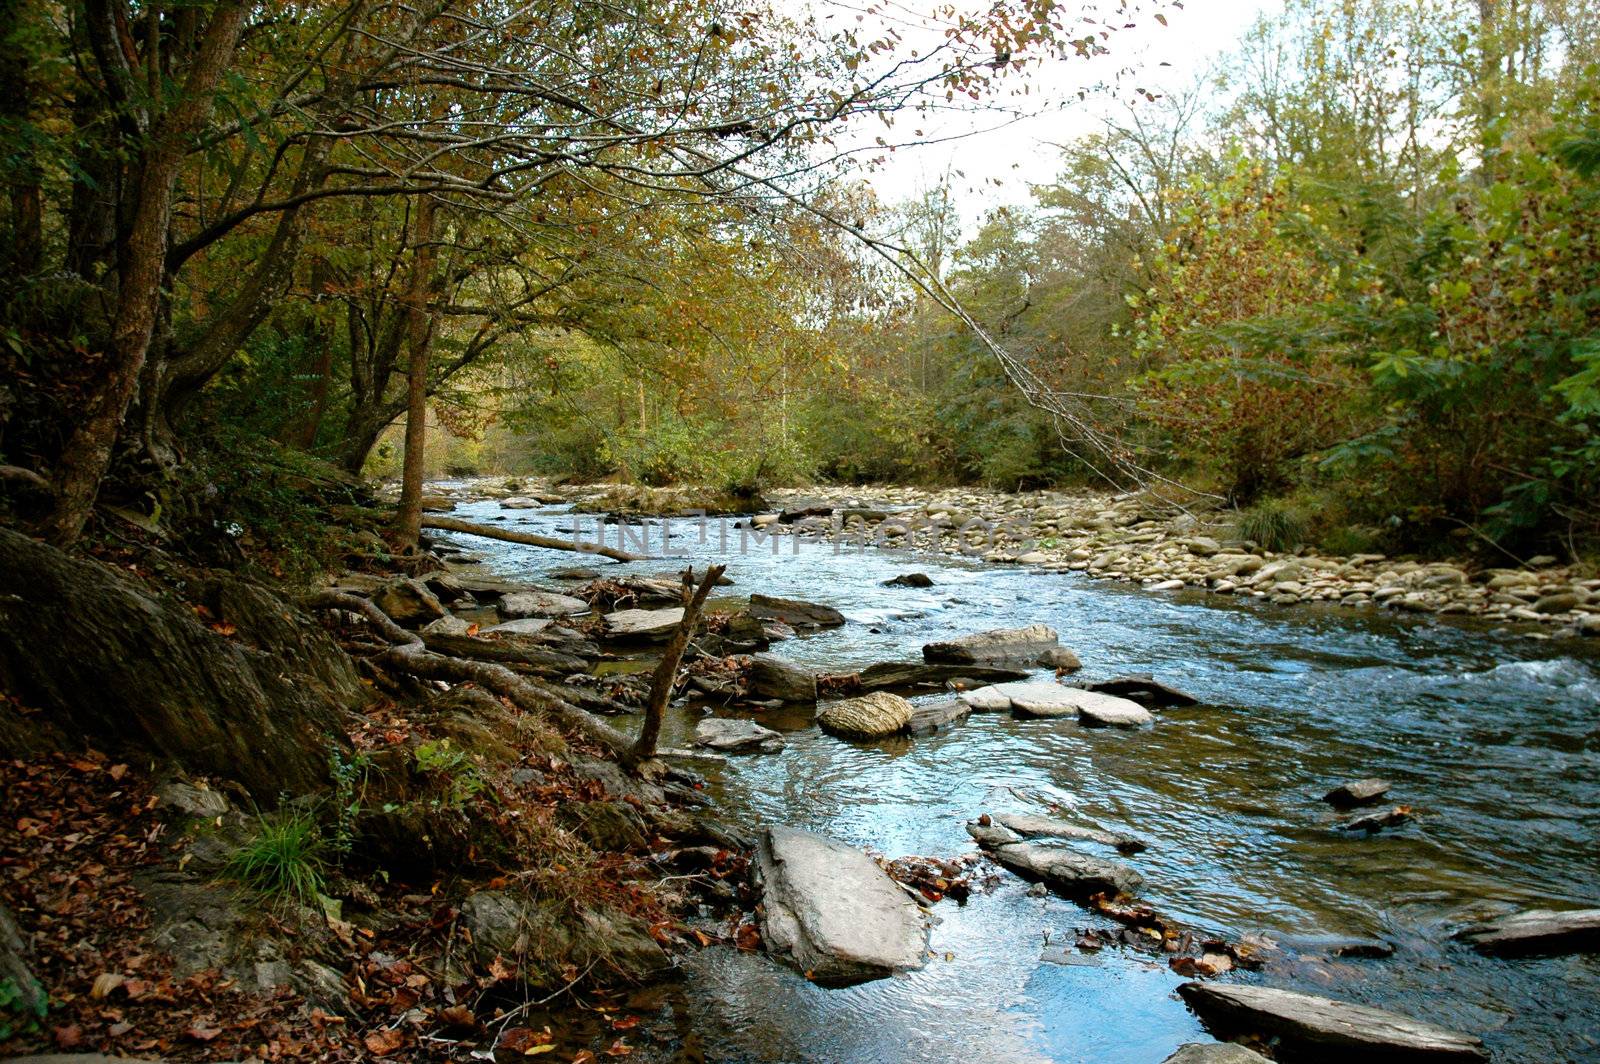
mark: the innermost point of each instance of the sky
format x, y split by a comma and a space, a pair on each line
1020, 153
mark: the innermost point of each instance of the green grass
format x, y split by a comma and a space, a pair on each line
1271, 526
285, 861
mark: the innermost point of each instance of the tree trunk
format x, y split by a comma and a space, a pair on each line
421, 335
141, 266
450, 524
666, 673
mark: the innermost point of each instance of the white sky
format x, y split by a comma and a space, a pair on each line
1020, 153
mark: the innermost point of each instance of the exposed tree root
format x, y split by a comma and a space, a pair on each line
450, 524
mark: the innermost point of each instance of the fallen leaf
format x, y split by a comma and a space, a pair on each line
105, 983
382, 1043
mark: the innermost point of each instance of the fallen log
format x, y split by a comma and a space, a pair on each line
530, 539
408, 652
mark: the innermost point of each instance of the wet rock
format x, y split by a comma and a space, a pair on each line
789, 517
794, 612
1559, 602
1366, 950
1538, 931
577, 574
1067, 872
987, 834
719, 733
872, 716
408, 602
1145, 690
909, 580
1324, 1024
895, 675
520, 604
1044, 699
1376, 822
643, 624
1589, 625
1002, 646
1030, 826
829, 911
522, 626
1357, 792
1215, 1053
772, 677
930, 717
1001, 697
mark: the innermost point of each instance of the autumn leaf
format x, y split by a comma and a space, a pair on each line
382, 1043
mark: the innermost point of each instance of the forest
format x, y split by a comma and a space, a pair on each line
524, 532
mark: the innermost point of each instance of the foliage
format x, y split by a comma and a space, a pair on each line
1272, 525
285, 860
451, 768
22, 1009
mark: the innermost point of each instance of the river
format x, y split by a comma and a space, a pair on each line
1492, 737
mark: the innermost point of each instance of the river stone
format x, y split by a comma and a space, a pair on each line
1028, 825
575, 574
794, 612
909, 580
1323, 1023
1067, 872
872, 716
1215, 1053
1144, 689
990, 835
1560, 602
541, 604
447, 625
891, 675
830, 912
408, 602
929, 717
519, 503
772, 677
1109, 711
1002, 646
1357, 792
719, 733
644, 624
1538, 931
521, 626
998, 698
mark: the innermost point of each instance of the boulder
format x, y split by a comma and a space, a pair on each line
1030, 645
1108, 711
1029, 826
1322, 1024
990, 835
447, 625
1215, 1053
772, 677
1067, 872
909, 580
520, 604
1357, 792
579, 574
1538, 931
1373, 823
408, 602
1044, 699
930, 717
898, 675
519, 503
1144, 689
643, 624
829, 911
794, 612
543, 938
720, 733
872, 716
521, 626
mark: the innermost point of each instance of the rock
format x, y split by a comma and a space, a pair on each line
930, 717
575, 574
1021, 646
1560, 602
991, 834
1033, 557
1108, 711
643, 624
1375, 822
909, 580
1541, 561
794, 612
872, 716
1166, 585
896, 675
437, 504
1029, 826
1044, 699
521, 626
829, 911
519, 503
447, 625
1202, 546
1145, 690
408, 602
541, 604
763, 520
789, 517
720, 733
187, 800
772, 677
613, 826
997, 698
1589, 625
1215, 1053
1357, 792
1067, 872
544, 938
1538, 931
1325, 1024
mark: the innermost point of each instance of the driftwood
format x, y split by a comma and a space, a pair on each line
667, 670
450, 524
408, 652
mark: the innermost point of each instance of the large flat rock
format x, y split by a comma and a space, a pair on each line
1045, 699
1144, 689
643, 624
1323, 1023
1215, 1053
519, 604
1034, 644
730, 735
1538, 931
1031, 826
794, 612
909, 675
1067, 872
830, 912
773, 677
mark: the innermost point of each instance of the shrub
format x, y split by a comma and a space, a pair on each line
1272, 526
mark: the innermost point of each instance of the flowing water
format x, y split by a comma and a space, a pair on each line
1492, 737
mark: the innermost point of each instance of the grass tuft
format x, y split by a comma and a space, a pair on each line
1272, 526
285, 861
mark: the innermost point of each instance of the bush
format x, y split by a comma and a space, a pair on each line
285, 861
1271, 525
